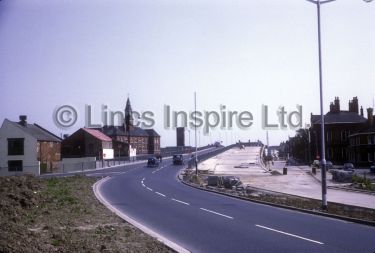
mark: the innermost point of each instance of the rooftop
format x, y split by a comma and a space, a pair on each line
38, 132
340, 117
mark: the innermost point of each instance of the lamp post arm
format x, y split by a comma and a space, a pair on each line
328, 1
321, 2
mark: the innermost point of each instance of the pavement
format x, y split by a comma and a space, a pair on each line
298, 181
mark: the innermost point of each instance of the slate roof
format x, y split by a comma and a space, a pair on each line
120, 131
97, 134
341, 117
152, 133
38, 132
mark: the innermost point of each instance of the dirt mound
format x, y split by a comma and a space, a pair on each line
63, 215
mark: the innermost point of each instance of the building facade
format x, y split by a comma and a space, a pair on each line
86, 142
362, 143
339, 125
27, 148
145, 141
180, 134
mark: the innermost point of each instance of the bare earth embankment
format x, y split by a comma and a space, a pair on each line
63, 215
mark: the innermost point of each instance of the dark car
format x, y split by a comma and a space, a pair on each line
372, 168
152, 162
178, 159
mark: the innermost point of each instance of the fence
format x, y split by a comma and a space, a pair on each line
33, 170
66, 167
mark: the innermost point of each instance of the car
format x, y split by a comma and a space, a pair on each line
372, 168
152, 162
178, 159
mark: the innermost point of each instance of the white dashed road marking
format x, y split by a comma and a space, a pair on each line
182, 202
161, 194
223, 215
148, 188
284, 233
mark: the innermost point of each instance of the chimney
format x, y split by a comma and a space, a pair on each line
361, 111
23, 120
353, 105
337, 104
331, 107
370, 116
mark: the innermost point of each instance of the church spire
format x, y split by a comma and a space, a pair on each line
128, 115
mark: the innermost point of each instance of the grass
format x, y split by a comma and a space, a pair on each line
58, 191
363, 183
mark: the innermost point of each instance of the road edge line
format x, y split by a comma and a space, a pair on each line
96, 188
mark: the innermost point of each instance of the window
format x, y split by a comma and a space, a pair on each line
329, 153
15, 165
343, 135
15, 146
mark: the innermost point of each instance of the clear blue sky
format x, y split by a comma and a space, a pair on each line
241, 54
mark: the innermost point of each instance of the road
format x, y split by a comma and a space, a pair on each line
202, 221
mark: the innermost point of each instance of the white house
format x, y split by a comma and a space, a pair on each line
24, 147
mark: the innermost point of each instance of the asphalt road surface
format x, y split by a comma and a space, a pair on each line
202, 221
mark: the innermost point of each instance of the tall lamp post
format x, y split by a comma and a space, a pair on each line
195, 122
318, 3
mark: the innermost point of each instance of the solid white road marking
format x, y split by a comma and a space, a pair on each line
161, 194
101, 173
182, 202
149, 189
226, 216
296, 236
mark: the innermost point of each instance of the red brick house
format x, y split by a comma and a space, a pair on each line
86, 142
339, 125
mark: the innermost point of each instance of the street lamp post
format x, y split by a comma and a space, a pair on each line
318, 3
195, 122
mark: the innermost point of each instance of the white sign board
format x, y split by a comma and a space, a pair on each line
133, 151
107, 153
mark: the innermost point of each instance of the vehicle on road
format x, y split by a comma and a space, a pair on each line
152, 162
372, 168
178, 159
